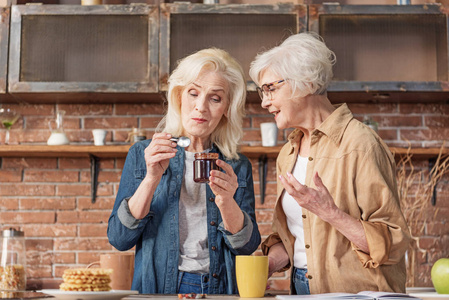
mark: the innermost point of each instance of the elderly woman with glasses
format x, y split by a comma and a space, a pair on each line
337, 220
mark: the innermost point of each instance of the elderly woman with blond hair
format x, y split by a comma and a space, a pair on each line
186, 234
337, 219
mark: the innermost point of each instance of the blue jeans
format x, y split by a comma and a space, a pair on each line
193, 283
300, 282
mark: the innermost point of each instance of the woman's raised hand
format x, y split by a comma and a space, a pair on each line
318, 201
158, 154
223, 184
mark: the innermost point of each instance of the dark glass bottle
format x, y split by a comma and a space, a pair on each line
203, 164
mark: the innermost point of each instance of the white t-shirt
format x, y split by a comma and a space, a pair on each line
294, 215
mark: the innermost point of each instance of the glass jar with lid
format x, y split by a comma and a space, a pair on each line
203, 164
12, 263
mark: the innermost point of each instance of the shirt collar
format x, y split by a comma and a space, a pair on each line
333, 127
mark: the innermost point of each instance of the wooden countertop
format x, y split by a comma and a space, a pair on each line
425, 293
175, 297
38, 295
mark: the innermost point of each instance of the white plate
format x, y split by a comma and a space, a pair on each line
111, 295
430, 296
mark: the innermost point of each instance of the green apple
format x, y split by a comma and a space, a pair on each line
440, 275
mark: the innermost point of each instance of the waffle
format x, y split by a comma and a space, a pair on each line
82, 279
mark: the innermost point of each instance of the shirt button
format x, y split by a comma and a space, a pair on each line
212, 223
307, 246
304, 216
310, 158
215, 275
211, 199
214, 248
309, 276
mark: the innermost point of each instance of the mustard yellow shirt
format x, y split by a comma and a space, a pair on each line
358, 169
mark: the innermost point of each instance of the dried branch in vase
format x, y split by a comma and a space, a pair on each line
416, 187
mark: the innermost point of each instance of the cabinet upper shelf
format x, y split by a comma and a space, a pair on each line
125, 53
386, 51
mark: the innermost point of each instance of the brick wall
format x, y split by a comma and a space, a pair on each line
49, 198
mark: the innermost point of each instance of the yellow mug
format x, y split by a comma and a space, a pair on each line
252, 275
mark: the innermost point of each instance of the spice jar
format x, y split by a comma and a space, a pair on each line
136, 135
203, 164
370, 123
12, 263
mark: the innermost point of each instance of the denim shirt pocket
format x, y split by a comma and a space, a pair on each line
240, 190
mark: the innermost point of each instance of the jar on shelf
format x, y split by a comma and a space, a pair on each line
370, 123
136, 135
203, 164
12, 263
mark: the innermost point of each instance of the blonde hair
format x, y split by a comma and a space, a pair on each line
303, 59
229, 131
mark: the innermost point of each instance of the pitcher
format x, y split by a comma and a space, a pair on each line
58, 136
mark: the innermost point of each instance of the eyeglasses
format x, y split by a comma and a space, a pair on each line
268, 88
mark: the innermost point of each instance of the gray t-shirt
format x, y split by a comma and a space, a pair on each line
194, 252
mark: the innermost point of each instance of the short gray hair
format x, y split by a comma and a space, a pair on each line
229, 131
303, 59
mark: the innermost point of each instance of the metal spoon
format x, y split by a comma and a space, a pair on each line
182, 141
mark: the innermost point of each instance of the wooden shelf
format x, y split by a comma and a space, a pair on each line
257, 151
94, 153
63, 151
120, 151
106, 151
422, 153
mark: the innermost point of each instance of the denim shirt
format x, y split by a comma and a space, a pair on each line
156, 236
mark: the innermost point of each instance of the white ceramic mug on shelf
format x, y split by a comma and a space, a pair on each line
269, 133
99, 136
